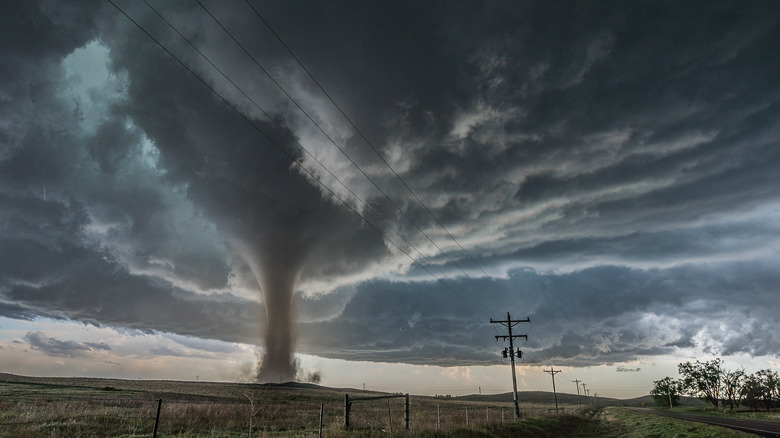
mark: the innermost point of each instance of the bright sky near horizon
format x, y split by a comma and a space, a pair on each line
607, 169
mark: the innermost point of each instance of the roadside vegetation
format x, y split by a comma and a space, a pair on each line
637, 425
42, 407
722, 388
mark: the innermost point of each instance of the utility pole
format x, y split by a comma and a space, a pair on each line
552, 373
585, 393
577, 384
509, 323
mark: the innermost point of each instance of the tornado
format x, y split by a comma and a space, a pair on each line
277, 362
243, 175
277, 266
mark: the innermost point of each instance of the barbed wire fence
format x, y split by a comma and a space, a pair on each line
131, 416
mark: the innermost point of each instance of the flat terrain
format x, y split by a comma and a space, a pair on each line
83, 407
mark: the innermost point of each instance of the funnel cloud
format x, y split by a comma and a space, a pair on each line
609, 169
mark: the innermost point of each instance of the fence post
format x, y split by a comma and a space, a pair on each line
322, 410
390, 415
438, 417
467, 416
346, 411
157, 418
406, 411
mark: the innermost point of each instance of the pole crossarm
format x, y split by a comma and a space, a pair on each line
506, 337
509, 321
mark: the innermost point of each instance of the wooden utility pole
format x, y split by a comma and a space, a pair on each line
555, 394
585, 393
509, 323
577, 384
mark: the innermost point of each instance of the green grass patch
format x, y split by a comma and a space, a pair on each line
773, 415
639, 425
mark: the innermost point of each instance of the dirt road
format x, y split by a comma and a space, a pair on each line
763, 428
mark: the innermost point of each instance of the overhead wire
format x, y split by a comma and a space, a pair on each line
296, 141
332, 141
382, 158
293, 159
307, 171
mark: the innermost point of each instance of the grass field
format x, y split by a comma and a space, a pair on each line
76, 407
737, 413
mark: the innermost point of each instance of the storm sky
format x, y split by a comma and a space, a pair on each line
608, 169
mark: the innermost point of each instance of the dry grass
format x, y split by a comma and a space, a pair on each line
49, 407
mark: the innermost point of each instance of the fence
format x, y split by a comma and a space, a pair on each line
103, 412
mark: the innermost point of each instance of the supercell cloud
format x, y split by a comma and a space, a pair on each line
610, 170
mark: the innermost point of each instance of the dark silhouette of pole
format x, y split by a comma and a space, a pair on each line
552, 373
577, 384
509, 323
347, 406
157, 418
322, 411
584, 392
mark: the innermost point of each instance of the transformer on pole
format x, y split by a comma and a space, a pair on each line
509, 323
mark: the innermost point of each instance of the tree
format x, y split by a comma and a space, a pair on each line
732, 386
752, 391
761, 386
666, 392
702, 379
770, 387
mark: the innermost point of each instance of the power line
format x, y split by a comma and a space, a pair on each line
341, 150
378, 154
296, 141
293, 160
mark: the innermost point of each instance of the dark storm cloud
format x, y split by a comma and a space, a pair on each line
55, 347
614, 165
605, 314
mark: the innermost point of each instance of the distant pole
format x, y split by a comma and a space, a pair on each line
157, 418
585, 393
552, 373
577, 384
509, 323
